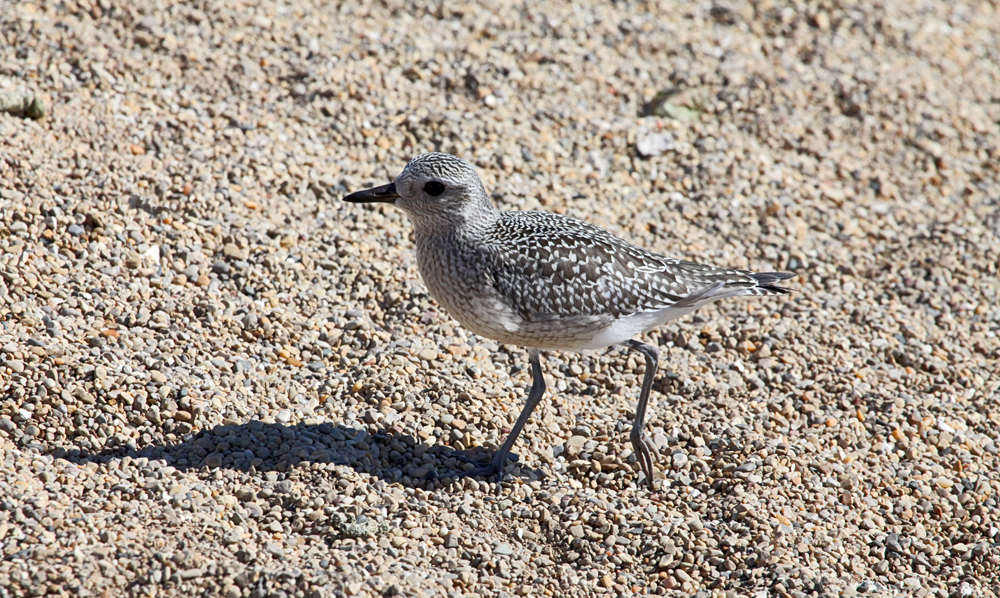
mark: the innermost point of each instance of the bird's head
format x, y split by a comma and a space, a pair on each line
435, 190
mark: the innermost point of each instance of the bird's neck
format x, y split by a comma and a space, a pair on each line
471, 220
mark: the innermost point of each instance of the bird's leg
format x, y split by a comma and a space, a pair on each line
642, 444
495, 466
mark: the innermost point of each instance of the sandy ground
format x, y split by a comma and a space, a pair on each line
218, 379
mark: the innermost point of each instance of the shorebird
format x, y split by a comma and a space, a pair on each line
545, 281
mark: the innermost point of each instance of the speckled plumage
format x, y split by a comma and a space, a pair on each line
538, 279
546, 281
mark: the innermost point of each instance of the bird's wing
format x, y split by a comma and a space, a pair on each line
546, 265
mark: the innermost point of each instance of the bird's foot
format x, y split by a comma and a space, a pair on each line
484, 471
493, 469
644, 450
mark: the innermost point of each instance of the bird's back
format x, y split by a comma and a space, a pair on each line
549, 264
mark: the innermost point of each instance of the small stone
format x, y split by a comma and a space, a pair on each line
169, 42
16, 365
133, 261
822, 20
574, 445
680, 459
654, 144
234, 251
84, 396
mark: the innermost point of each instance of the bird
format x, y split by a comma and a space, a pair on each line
547, 282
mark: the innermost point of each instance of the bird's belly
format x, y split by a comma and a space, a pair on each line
470, 298
476, 308
486, 314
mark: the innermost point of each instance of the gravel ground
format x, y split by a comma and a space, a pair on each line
219, 379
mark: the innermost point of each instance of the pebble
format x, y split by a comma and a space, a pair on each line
680, 460
16, 365
22, 104
654, 144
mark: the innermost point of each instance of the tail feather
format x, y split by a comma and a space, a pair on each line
766, 282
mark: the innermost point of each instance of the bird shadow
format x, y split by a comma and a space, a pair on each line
257, 446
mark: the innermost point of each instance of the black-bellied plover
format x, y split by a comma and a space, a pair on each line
545, 281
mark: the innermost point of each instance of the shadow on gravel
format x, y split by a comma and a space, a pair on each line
257, 446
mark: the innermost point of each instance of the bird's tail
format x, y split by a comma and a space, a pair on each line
766, 282
738, 288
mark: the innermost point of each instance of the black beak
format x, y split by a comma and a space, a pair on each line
383, 194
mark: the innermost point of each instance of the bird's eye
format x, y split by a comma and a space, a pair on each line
433, 188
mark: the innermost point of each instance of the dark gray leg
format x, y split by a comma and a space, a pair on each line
642, 444
495, 467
